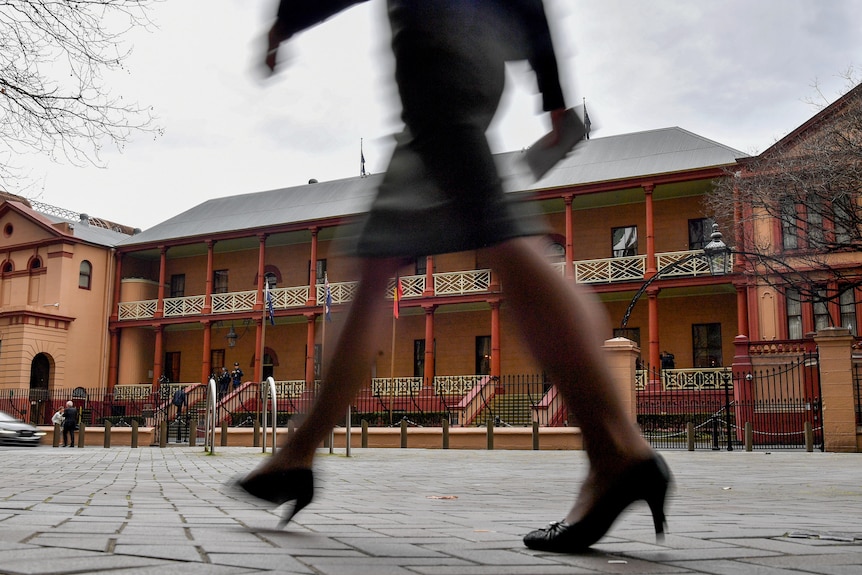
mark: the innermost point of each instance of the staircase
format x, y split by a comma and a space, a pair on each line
512, 409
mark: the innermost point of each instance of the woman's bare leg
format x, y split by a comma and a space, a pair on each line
563, 326
345, 370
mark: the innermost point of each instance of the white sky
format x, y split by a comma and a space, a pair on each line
736, 71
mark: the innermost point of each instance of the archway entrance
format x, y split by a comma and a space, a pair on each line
40, 377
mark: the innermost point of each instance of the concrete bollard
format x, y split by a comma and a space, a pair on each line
445, 434
134, 433
404, 433
364, 442
107, 434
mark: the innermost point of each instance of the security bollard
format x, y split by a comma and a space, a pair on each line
256, 435
749, 436
809, 437
163, 434
490, 426
404, 433
107, 439
535, 436
193, 432
364, 434
224, 434
445, 434
134, 433
57, 433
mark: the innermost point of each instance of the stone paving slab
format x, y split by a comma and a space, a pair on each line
124, 511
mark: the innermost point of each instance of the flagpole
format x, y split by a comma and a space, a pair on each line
263, 345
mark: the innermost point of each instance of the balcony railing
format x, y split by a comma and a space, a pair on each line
607, 270
682, 379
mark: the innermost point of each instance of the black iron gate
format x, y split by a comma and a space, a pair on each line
770, 407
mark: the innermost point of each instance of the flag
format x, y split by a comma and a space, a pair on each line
327, 298
269, 309
362, 172
399, 295
586, 121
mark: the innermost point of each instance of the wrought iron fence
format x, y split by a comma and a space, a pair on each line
462, 400
776, 402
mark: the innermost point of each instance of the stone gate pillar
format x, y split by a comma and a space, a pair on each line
836, 389
621, 356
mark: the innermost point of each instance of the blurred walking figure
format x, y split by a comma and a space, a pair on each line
442, 193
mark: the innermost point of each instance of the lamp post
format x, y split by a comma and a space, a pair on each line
717, 256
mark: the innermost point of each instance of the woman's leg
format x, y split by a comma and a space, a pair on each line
564, 326
346, 369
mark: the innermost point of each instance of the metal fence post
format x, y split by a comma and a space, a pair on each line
749, 436
535, 436
689, 435
364, 434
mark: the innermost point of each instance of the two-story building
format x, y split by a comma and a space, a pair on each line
189, 293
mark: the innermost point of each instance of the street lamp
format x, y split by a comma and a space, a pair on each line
717, 256
231, 337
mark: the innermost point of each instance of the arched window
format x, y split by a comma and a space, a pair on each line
8, 267
85, 275
36, 263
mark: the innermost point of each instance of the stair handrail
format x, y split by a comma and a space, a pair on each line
210, 419
268, 392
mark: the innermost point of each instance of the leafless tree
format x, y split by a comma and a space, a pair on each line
54, 96
797, 205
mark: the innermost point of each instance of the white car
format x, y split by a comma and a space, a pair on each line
16, 432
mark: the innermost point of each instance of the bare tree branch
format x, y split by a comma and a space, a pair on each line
797, 205
54, 99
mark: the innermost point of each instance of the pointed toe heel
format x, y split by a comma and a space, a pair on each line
280, 487
649, 480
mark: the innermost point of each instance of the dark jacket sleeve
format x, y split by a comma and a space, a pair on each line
541, 52
298, 15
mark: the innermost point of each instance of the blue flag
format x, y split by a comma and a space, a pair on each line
327, 301
269, 306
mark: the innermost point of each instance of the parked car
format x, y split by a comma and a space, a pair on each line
16, 432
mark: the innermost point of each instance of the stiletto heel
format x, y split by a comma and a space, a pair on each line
279, 487
648, 481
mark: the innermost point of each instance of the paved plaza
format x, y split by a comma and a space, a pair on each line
410, 511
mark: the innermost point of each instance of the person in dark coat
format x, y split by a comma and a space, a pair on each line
442, 193
70, 424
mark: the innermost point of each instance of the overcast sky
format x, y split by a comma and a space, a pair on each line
735, 71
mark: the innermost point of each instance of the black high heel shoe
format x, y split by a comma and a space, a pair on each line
279, 487
648, 480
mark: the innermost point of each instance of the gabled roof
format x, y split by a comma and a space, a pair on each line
625, 156
851, 98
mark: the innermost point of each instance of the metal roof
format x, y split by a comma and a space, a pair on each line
619, 157
89, 233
